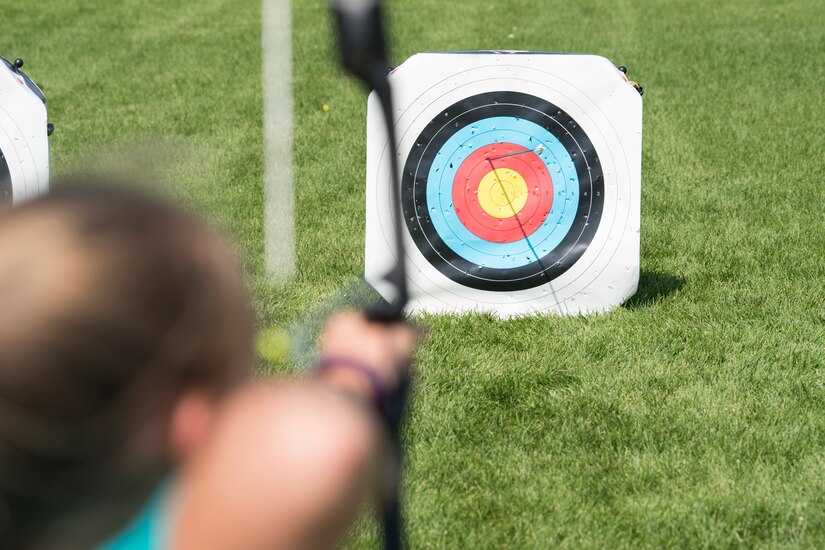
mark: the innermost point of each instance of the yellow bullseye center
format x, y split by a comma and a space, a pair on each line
502, 193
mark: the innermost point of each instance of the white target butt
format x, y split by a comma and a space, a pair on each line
520, 183
24, 145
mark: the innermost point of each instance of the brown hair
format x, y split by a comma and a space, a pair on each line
112, 303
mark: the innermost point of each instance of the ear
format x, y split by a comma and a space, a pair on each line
191, 422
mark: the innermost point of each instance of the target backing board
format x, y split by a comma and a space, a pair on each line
520, 183
24, 145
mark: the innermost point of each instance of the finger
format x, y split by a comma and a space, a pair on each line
403, 340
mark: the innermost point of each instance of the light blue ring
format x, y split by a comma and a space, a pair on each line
441, 179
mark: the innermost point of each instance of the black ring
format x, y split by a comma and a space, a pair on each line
6, 189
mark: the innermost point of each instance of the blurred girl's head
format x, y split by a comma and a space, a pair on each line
122, 321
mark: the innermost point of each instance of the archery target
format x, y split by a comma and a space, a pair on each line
520, 183
24, 146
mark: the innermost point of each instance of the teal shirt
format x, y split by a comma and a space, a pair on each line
147, 531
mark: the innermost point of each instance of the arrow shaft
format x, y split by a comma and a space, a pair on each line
536, 150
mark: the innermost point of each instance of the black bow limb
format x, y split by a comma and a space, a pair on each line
363, 53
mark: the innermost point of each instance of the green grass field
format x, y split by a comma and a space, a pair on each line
694, 416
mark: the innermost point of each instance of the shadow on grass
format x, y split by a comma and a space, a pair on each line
653, 286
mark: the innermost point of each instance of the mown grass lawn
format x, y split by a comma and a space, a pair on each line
692, 417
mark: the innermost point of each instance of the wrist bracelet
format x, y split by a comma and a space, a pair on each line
388, 402
328, 363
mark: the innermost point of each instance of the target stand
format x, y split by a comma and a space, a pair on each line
520, 183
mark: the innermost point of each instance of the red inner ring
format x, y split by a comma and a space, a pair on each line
513, 228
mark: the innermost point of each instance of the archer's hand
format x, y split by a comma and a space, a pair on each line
383, 349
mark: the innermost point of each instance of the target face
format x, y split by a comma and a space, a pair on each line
503, 191
519, 187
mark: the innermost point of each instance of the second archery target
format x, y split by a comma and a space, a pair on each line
24, 146
520, 186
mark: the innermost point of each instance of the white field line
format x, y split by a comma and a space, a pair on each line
279, 221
